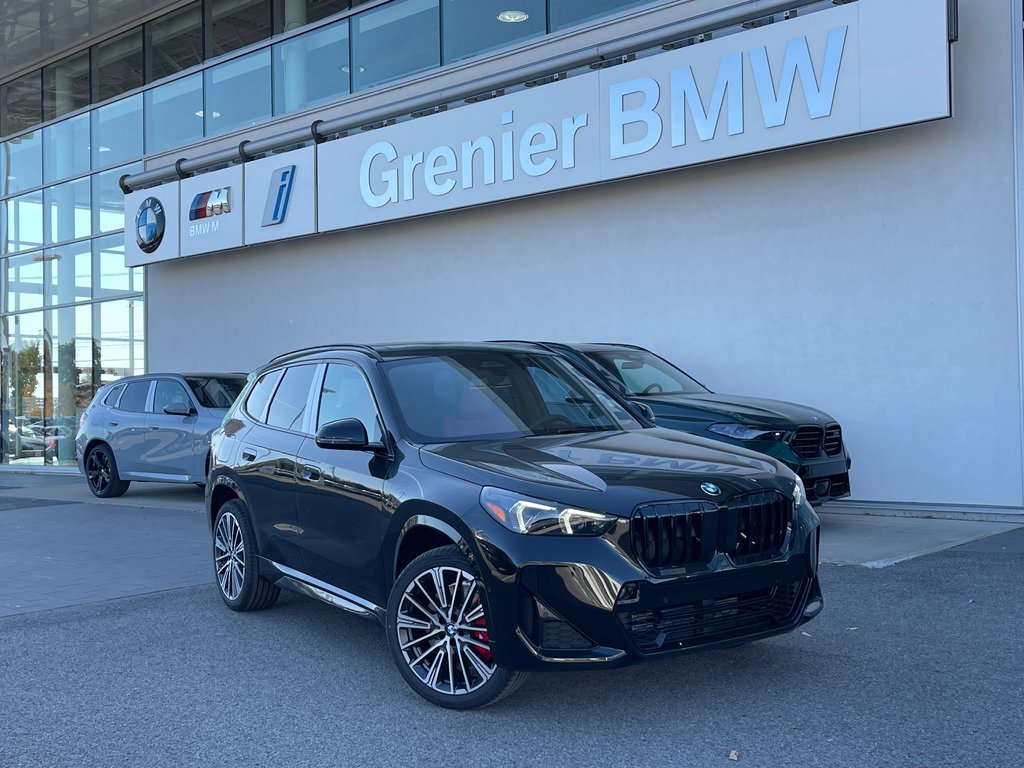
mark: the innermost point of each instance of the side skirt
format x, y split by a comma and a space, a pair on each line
307, 585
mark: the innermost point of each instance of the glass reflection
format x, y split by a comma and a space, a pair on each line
66, 148
69, 208
21, 163
238, 93
21, 225
475, 26
112, 277
311, 69
24, 282
23, 393
108, 199
117, 132
395, 40
70, 273
69, 354
565, 13
174, 114
120, 339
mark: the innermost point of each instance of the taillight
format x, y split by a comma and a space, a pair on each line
82, 419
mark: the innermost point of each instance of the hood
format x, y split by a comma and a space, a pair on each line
757, 411
636, 465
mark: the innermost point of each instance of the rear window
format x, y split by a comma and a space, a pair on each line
256, 403
134, 397
216, 391
112, 395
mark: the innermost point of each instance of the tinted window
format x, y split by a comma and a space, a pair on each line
346, 395
113, 394
256, 403
216, 391
134, 397
169, 392
289, 404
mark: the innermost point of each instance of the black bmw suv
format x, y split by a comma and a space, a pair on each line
499, 513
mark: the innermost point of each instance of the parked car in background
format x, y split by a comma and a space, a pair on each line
499, 512
154, 427
808, 441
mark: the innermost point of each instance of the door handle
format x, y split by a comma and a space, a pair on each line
113, 423
313, 474
153, 426
248, 455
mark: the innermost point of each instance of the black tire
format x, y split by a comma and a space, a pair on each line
101, 473
235, 564
482, 682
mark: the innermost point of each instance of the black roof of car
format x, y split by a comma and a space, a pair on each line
405, 348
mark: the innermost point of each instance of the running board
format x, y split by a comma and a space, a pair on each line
321, 590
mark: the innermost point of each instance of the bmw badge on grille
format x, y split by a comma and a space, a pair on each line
710, 489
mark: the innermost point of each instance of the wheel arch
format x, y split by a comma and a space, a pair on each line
222, 490
423, 528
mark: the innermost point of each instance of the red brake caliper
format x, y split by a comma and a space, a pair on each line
483, 637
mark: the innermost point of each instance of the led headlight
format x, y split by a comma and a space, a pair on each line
799, 494
523, 514
743, 432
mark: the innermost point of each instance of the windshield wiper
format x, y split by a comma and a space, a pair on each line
574, 429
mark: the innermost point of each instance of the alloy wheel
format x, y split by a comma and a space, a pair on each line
230, 556
97, 470
442, 631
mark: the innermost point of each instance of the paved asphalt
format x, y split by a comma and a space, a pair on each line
917, 664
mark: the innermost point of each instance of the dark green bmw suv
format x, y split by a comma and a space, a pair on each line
807, 440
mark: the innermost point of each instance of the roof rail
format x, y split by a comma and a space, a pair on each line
364, 348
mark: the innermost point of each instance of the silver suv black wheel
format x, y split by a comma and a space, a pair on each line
101, 473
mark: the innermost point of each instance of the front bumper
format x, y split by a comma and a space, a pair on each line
604, 609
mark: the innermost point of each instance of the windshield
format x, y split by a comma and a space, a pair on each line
477, 395
216, 391
643, 373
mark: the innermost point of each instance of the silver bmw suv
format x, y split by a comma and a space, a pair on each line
154, 427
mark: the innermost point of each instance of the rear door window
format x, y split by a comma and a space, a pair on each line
256, 403
288, 408
113, 394
134, 397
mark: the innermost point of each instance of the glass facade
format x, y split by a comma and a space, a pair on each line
71, 312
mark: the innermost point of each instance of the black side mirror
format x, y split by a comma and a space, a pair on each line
177, 409
645, 411
344, 434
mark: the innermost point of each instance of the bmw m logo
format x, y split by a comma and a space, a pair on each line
710, 489
149, 225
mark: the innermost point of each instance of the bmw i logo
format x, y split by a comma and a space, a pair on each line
149, 225
710, 489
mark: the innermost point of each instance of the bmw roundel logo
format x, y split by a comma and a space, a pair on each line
710, 489
149, 225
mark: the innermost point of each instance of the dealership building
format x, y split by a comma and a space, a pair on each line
810, 201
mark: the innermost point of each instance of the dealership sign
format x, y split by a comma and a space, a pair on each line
855, 68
